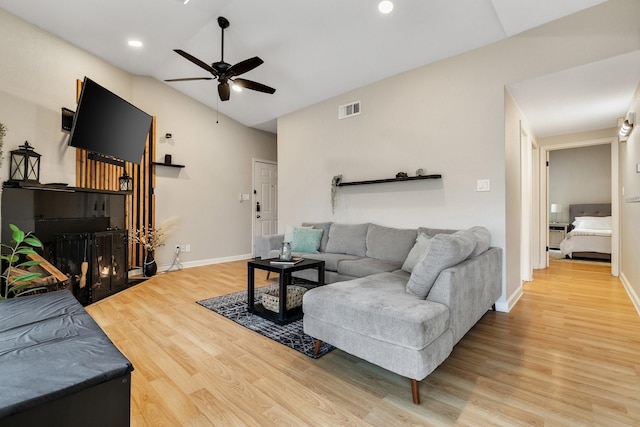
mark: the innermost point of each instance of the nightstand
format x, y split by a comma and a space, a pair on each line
557, 233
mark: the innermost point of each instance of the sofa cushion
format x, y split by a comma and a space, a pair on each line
483, 240
389, 244
348, 239
331, 261
446, 250
306, 240
379, 307
434, 231
366, 266
422, 244
324, 226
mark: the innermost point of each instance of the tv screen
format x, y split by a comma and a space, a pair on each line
106, 124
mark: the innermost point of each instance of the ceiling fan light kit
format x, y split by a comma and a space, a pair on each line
225, 73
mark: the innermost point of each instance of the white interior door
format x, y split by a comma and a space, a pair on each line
265, 201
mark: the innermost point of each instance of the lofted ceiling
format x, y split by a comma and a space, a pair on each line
314, 50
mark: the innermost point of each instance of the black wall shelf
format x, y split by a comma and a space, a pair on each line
171, 165
380, 181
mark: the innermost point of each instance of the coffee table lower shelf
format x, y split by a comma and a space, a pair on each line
292, 314
283, 315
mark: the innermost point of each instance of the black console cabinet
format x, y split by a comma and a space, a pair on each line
77, 214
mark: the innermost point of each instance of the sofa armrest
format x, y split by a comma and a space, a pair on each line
469, 289
268, 243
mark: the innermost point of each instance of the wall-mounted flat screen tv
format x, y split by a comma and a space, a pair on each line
106, 124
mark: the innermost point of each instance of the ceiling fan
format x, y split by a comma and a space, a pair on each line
225, 72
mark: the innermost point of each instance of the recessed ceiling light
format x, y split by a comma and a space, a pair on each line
185, 1
134, 43
385, 6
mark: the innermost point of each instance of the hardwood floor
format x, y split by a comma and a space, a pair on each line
567, 354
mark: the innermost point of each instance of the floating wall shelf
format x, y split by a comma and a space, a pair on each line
171, 165
380, 181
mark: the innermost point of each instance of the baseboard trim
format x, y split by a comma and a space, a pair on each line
210, 261
633, 296
507, 305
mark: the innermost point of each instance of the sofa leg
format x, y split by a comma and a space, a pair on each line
493, 307
268, 274
316, 349
415, 391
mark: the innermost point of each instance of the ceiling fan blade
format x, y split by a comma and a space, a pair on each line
249, 84
196, 61
244, 66
189, 78
224, 91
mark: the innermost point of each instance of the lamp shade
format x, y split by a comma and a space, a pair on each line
555, 208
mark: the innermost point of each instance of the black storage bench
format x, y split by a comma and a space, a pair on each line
58, 367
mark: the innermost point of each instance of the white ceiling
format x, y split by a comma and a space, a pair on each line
313, 50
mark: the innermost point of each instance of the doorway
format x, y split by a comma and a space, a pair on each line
546, 202
265, 201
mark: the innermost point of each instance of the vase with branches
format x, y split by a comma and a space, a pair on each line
150, 239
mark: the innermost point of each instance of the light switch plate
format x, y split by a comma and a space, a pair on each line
637, 167
484, 185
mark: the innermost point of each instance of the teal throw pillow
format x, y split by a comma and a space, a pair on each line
306, 240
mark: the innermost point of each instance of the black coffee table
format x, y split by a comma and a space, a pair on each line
283, 315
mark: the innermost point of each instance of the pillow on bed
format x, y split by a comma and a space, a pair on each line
593, 223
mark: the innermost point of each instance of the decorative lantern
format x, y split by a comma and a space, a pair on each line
25, 164
126, 182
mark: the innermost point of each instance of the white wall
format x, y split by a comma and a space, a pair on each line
630, 212
579, 175
38, 75
448, 117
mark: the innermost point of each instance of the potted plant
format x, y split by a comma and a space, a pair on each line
23, 244
334, 192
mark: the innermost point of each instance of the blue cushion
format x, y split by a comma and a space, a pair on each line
306, 240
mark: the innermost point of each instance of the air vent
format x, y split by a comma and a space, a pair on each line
349, 110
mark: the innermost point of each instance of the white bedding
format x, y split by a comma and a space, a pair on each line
586, 240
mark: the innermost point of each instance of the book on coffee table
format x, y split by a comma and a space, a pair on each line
293, 261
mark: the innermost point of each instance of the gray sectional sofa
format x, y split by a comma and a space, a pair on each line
398, 298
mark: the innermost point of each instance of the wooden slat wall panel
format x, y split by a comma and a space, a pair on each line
139, 204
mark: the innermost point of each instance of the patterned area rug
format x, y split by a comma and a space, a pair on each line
234, 307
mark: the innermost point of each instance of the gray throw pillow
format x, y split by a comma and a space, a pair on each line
483, 240
347, 239
446, 250
423, 243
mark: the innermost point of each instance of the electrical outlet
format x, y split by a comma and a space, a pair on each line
187, 248
483, 185
178, 248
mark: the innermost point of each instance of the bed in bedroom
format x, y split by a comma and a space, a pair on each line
57, 366
589, 235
